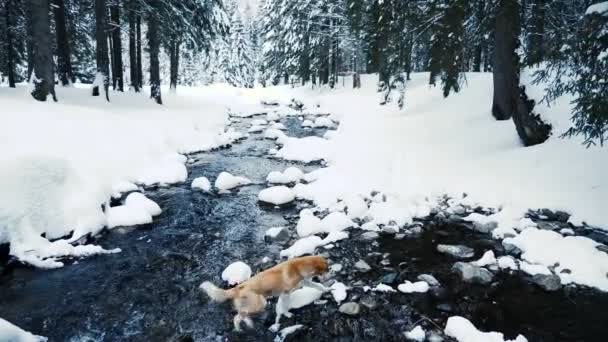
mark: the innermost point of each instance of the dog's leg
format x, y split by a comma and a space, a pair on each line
237, 322
248, 322
282, 309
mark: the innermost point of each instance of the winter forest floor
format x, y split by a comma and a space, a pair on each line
388, 188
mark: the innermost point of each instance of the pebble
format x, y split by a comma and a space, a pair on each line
432, 281
473, 274
350, 308
549, 282
457, 251
362, 266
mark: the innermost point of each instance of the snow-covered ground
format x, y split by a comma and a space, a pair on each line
59, 162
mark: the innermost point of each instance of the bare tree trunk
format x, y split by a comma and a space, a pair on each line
112, 71
174, 60
103, 63
117, 73
40, 22
140, 73
133, 47
154, 47
64, 65
10, 65
506, 66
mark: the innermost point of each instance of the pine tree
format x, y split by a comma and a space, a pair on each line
241, 70
115, 37
153, 49
13, 34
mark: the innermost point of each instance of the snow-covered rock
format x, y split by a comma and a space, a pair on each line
201, 183
409, 287
137, 200
334, 237
303, 297
463, 330
335, 221
323, 122
383, 288
307, 123
12, 333
350, 308
308, 224
226, 181
473, 274
587, 265
306, 245
339, 291
259, 122
236, 273
123, 216
305, 149
417, 334
277, 195
256, 129
290, 175
355, 206
488, 258
278, 125
507, 262
287, 331
275, 134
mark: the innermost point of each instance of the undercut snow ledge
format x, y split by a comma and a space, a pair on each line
12, 333
463, 330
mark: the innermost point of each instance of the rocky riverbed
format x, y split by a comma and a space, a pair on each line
149, 291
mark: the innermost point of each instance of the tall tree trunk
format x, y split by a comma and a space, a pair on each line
112, 70
29, 43
103, 64
64, 65
140, 73
117, 73
154, 47
10, 63
506, 66
40, 22
174, 60
133, 47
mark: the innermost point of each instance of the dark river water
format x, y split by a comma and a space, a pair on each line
149, 291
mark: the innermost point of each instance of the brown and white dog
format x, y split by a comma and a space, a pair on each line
250, 296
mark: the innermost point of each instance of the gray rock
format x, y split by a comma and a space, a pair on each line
549, 282
472, 274
350, 308
362, 266
282, 236
445, 307
399, 236
432, 281
546, 225
390, 229
486, 227
369, 302
562, 216
385, 262
459, 210
390, 278
457, 251
511, 248
369, 236
454, 219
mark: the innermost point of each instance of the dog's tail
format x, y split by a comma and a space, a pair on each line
215, 293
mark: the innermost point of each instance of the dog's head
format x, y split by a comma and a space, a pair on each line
319, 265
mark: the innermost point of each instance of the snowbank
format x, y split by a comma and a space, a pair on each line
12, 333
59, 162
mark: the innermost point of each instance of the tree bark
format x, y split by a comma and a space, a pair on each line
140, 73
29, 43
174, 60
134, 77
117, 72
154, 47
10, 65
64, 65
103, 63
506, 66
40, 23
